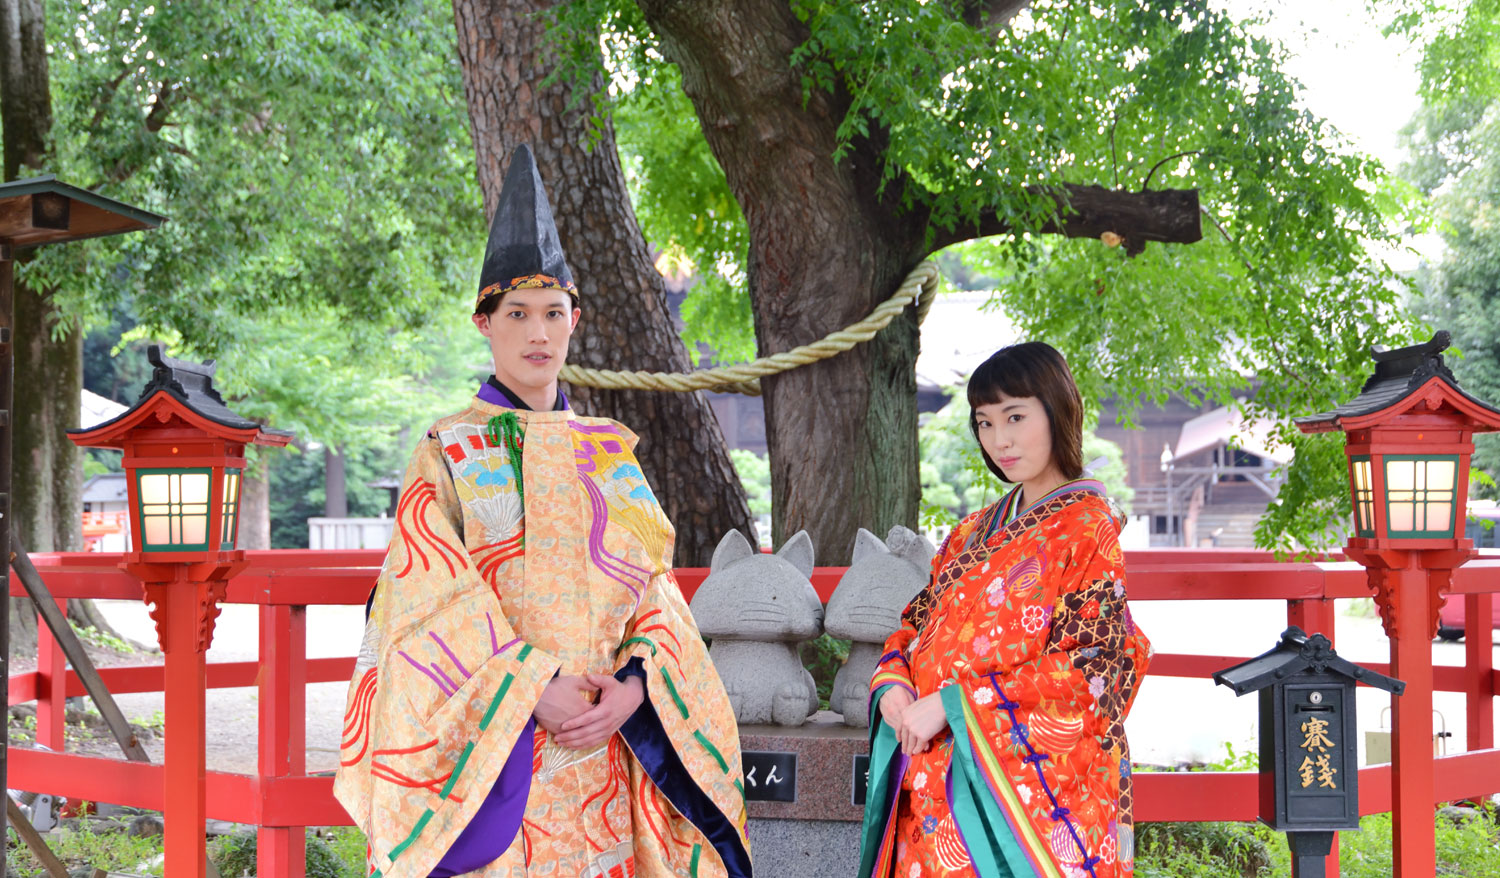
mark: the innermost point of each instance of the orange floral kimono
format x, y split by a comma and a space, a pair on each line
1025, 632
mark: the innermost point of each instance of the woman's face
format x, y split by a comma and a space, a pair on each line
1017, 436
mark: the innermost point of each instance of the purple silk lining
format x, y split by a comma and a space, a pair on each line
488, 393
494, 827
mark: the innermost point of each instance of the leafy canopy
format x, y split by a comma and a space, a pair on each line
314, 161
1454, 144
1273, 312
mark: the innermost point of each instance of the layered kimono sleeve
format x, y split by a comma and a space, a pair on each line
683, 735
894, 666
443, 689
1039, 742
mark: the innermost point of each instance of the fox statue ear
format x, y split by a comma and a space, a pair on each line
910, 546
865, 545
733, 547
798, 551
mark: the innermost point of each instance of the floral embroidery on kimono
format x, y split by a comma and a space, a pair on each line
1025, 631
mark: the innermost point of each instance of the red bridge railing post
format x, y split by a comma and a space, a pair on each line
1479, 660
52, 687
282, 850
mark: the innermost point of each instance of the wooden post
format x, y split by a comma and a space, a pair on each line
56, 624
7, 412
1316, 616
33, 840
282, 850
1479, 659
52, 689
1413, 789
184, 603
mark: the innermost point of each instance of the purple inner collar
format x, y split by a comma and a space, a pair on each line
494, 393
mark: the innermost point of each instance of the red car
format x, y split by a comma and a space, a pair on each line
1451, 616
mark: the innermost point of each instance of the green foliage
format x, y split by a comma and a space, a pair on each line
1200, 850
86, 845
1461, 289
1129, 94
1213, 850
754, 471
823, 657
1244, 760
315, 165
349, 845
235, 855
101, 639
298, 486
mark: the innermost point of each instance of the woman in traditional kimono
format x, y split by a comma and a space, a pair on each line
532, 697
997, 711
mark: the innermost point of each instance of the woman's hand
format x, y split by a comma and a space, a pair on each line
920, 723
893, 703
563, 699
617, 701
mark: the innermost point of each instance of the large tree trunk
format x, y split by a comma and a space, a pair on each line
626, 324
48, 488
255, 506
824, 250
44, 475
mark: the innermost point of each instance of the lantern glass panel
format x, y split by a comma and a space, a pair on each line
1421, 495
1364, 497
231, 508
174, 508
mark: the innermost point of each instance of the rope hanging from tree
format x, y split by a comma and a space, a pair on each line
920, 287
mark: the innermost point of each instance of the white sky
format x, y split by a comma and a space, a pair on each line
1362, 82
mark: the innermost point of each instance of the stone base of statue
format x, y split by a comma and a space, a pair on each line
805, 787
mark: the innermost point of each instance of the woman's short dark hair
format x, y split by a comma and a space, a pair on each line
1034, 369
489, 305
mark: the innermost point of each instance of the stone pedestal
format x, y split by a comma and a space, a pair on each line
812, 829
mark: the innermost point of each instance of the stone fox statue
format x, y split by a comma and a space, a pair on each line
882, 579
756, 608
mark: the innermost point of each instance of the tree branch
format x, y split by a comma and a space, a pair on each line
106, 93
991, 16
1170, 216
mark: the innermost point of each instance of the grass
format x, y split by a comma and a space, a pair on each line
1213, 850
84, 846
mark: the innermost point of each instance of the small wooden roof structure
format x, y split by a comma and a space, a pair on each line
43, 210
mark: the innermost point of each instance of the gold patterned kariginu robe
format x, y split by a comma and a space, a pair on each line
496, 580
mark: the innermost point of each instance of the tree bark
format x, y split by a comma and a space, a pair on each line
626, 323
826, 245
335, 490
255, 506
825, 249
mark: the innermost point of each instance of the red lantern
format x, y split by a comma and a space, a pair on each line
184, 456
1409, 435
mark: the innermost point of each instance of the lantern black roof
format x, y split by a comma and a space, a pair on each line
1296, 653
192, 385
1398, 374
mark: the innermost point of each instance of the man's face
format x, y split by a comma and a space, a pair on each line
528, 333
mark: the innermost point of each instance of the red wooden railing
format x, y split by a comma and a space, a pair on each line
281, 799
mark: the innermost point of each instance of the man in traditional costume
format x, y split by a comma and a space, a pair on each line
532, 696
